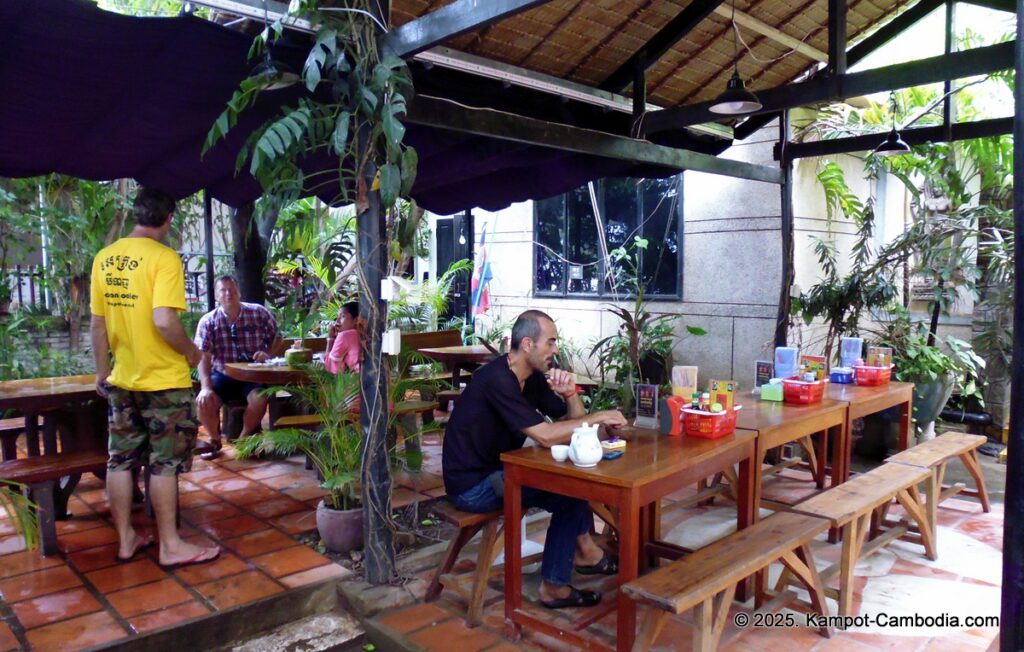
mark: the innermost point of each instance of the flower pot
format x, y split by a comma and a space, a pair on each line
929, 399
340, 529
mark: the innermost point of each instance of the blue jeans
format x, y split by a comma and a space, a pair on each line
570, 517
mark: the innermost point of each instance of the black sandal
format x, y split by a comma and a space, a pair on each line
607, 566
576, 598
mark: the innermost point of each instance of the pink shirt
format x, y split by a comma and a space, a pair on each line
345, 352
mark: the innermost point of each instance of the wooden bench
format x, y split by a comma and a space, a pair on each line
706, 580
491, 544
41, 474
314, 422
852, 505
936, 453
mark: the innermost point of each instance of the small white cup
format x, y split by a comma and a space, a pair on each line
560, 452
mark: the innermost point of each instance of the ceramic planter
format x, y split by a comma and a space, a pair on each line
929, 399
340, 529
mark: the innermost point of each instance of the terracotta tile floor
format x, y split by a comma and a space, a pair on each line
254, 509
898, 580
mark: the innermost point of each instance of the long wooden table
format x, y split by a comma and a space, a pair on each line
777, 424
651, 467
51, 397
863, 401
459, 358
265, 374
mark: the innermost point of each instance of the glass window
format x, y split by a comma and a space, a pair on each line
568, 250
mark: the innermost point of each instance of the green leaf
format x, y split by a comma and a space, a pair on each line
410, 163
696, 330
368, 98
394, 130
339, 140
390, 183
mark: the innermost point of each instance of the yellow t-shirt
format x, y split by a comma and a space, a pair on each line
129, 279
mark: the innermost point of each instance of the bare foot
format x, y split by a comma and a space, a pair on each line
128, 547
588, 558
186, 553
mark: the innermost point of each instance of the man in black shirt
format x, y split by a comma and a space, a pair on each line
506, 402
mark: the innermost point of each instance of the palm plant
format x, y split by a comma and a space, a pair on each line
20, 511
336, 449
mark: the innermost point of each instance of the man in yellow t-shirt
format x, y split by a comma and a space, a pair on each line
138, 289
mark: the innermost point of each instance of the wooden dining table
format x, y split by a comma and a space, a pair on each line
777, 424
862, 401
265, 374
458, 358
58, 401
651, 467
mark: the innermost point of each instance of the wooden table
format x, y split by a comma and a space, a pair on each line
863, 401
264, 374
651, 467
781, 423
459, 357
50, 396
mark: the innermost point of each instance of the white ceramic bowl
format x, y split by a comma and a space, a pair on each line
560, 452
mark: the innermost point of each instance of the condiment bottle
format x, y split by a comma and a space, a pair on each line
695, 402
705, 401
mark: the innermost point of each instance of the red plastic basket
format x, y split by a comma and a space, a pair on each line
802, 392
872, 376
710, 425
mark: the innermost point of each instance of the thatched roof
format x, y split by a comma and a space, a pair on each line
585, 41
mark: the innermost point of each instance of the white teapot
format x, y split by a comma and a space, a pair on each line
585, 448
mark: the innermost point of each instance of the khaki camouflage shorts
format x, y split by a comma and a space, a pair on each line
154, 428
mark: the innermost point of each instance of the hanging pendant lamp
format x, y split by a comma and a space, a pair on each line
893, 145
736, 99
271, 74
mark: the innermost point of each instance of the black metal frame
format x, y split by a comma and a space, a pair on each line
601, 294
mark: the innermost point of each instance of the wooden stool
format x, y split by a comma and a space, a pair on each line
10, 430
232, 414
490, 546
706, 580
852, 505
936, 453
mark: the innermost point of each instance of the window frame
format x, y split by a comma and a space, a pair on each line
602, 294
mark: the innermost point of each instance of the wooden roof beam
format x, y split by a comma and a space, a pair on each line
666, 38
448, 22
773, 34
438, 113
968, 63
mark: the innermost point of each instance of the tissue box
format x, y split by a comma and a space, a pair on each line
771, 392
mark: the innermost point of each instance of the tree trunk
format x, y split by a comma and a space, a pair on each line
250, 255
375, 473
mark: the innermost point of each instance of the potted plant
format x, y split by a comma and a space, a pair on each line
335, 450
20, 511
934, 372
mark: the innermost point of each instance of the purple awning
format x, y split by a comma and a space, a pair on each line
100, 95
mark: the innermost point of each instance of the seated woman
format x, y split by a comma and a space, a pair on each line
344, 340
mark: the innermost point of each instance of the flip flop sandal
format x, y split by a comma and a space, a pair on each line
141, 543
576, 598
195, 561
212, 452
607, 566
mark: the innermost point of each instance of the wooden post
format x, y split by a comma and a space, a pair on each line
1011, 630
208, 227
786, 232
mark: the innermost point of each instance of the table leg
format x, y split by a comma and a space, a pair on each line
746, 512
50, 433
843, 453
629, 549
906, 424
822, 454
513, 553
32, 434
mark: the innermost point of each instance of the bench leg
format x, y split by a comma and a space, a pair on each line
932, 492
970, 460
454, 548
710, 616
910, 499
42, 495
801, 563
812, 460
605, 514
854, 534
489, 543
649, 630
